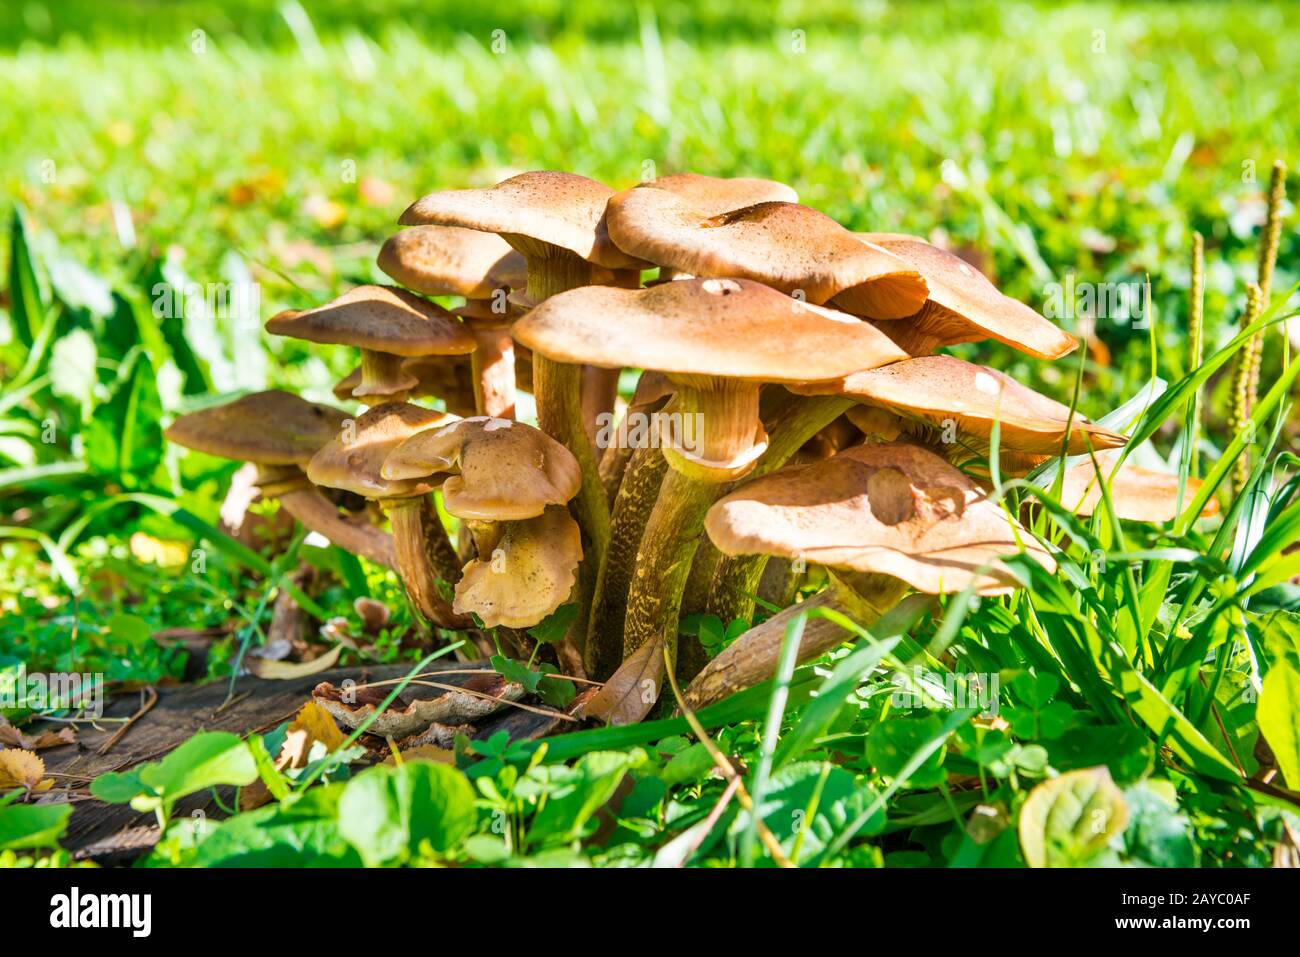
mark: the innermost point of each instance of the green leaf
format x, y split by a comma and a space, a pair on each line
1068, 820
1278, 714
892, 743
303, 833
1158, 834
552, 629
574, 794
821, 711
208, 759
1126, 750
33, 825
124, 439
26, 305
391, 814
72, 367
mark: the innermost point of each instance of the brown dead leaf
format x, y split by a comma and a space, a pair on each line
288, 670
20, 768
13, 738
632, 690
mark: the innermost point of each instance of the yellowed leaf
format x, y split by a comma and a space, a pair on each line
426, 752
319, 725
23, 769
632, 690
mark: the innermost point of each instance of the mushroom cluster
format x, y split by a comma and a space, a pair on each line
793, 407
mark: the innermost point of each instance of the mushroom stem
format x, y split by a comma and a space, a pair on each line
632, 506
791, 421
492, 366
663, 560
599, 396
382, 375
424, 556
352, 533
753, 657
557, 388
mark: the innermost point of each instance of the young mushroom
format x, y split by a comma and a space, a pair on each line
883, 517
963, 306
353, 460
510, 483
717, 341
789, 247
279, 432
482, 268
386, 324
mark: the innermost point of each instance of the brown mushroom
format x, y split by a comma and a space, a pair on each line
1138, 494
280, 432
958, 403
353, 461
789, 247
715, 195
963, 306
557, 221
528, 572
716, 340
882, 517
482, 268
386, 324
497, 474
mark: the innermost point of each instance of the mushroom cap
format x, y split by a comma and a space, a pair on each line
381, 319
529, 574
441, 377
892, 509
269, 428
965, 307
940, 389
787, 246
1138, 494
500, 470
354, 457
531, 211
713, 195
735, 328
450, 261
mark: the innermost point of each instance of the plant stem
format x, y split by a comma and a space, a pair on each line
1196, 333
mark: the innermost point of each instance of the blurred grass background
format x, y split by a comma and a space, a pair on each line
1038, 139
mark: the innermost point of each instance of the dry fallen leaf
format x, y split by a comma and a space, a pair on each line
286, 670
632, 690
13, 738
23, 769
319, 726
426, 752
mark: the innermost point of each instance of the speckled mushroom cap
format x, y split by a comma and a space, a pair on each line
269, 428
531, 211
500, 470
790, 247
939, 389
381, 319
529, 574
713, 195
443, 377
892, 509
736, 328
1138, 494
354, 457
964, 306
450, 261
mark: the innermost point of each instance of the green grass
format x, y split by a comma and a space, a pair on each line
1088, 140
